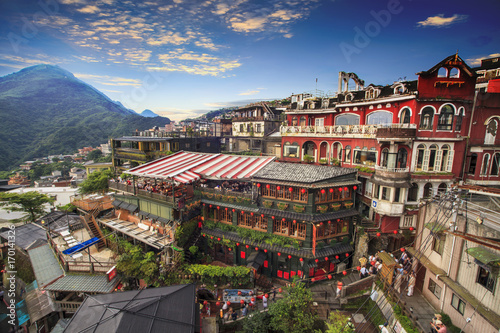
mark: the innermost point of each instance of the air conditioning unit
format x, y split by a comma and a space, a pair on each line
341, 267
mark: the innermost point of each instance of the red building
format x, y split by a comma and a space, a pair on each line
408, 139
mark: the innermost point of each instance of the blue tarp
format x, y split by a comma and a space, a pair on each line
81, 246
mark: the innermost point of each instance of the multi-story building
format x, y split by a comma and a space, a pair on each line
408, 139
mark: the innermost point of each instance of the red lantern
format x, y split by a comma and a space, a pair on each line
218, 239
294, 221
242, 212
210, 206
234, 210
301, 259
303, 190
237, 244
326, 258
247, 246
228, 303
331, 190
313, 279
265, 250
283, 219
256, 248
411, 228
242, 302
211, 237
329, 222
251, 213
262, 215
402, 249
337, 257
229, 249
290, 189
289, 257
203, 218
358, 268
280, 290
239, 292
347, 255
266, 296
258, 184
217, 303
338, 220
278, 188
321, 223
316, 260
218, 207
340, 189
279, 254
267, 186
329, 276
204, 235
203, 205
253, 299
354, 187
345, 188
225, 209
272, 217
344, 272
323, 191
378, 234
395, 232
372, 263
205, 303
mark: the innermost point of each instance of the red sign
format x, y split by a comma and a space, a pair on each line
111, 273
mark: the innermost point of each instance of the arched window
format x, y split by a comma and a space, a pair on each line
459, 120
349, 97
402, 158
399, 89
337, 151
302, 121
486, 162
454, 73
432, 157
347, 119
420, 157
495, 162
442, 188
347, 154
491, 132
442, 72
413, 192
295, 121
445, 159
472, 164
445, 122
428, 190
379, 117
405, 116
384, 157
426, 119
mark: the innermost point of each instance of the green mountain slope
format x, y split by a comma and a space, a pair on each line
46, 110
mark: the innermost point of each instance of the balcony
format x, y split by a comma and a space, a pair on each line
131, 154
392, 170
348, 131
388, 208
397, 131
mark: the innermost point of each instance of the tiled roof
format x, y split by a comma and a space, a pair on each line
301, 173
84, 283
303, 253
309, 217
45, 265
230, 205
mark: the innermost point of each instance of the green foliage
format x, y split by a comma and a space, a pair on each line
32, 203
308, 158
39, 169
257, 323
339, 323
94, 155
6, 174
96, 182
184, 231
69, 115
365, 169
67, 208
293, 313
134, 263
404, 320
193, 249
449, 325
210, 275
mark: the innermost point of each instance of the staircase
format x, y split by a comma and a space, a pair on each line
92, 226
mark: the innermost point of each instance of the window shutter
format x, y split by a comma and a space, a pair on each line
437, 162
450, 160
425, 163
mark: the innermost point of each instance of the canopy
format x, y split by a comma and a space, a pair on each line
484, 256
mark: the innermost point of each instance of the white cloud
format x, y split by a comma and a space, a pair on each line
251, 92
89, 10
109, 80
477, 61
441, 21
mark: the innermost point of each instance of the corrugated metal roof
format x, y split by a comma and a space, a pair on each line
84, 283
186, 167
45, 265
26, 234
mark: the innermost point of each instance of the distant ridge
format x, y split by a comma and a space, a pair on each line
148, 113
46, 110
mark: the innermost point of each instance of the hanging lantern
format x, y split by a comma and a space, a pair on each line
402, 249
278, 188
338, 220
204, 235
289, 257
294, 221
329, 276
203, 218
247, 246
251, 213
279, 254
262, 215
242, 302
323, 191
242, 212
316, 260
326, 258
211, 237
301, 259
337, 257
203, 205
290, 189
345, 188
205, 303
280, 290
329, 222
372, 263
218, 239
253, 299
266, 296
218, 207
234, 210
228, 303
239, 292
411, 228
265, 250
358, 268
217, 303
237, 244
225, 209
268, 186
283, 219
303, 190
340, 189
331, 190
344, 272
256, 248
378, 234
395, 232
321, 223
229, 249
354, 187
258, 184
272, 217
347, 255
210, 206
313, 279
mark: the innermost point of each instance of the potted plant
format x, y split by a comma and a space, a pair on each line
335, 206
299, 208
348, 204
282, 205
267, 203
308, 158
323, 161
322, 208
335, 161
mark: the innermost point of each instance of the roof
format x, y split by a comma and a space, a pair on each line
26, 234
301, 173
484, 256
58, 221
453, 59
39, 304
84, 283
45, 265
186, 167
125, 205
142, 138
166, 309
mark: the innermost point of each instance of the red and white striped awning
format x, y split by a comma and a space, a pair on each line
186, 167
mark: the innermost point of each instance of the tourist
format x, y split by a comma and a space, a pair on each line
264, 301
439, 327
411, 284
383, 328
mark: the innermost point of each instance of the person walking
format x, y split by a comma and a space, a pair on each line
411, 284
264, 301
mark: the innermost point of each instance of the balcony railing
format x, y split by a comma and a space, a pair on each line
68, 306
367, 131
396, 170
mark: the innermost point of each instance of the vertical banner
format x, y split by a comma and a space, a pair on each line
314, 239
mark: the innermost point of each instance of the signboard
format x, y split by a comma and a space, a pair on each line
374, 204
111, 273
22, 312
232, 296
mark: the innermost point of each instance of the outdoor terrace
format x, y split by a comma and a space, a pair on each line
350, 131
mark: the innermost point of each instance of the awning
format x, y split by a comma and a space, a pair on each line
125, 205
146, 215
484, 256
435, 227
187, 177
256, 259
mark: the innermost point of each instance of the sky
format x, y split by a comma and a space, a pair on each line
183, 58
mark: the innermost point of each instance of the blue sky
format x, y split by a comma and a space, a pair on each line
183, 58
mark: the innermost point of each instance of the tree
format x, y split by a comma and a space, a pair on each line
94, 155
293, 313
257, 323
32, 203
339, 323
96, 182
134, 263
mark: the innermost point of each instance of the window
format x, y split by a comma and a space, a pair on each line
405, 116
399, 89
445, 121
347, 119
438, 244
290, 150
486, 162
445, 159
442, 72
384, 157
188, 145
295, 121
454, 73
397, 194
413, 192
495, 164
442, 188
365, 157
460, 117
426, 119
258, 129
432, 157
386, 193
249, 128
434, 288
427, 190
242, 128
420, 157
491, 132
303, 121
402, 156
319, 122
458, 304
348, 154
485, 278
379, 117
472, 164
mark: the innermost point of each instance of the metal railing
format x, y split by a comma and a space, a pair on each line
341, 130
382, 168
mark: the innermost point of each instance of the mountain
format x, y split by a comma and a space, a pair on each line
148, 113
45, 110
